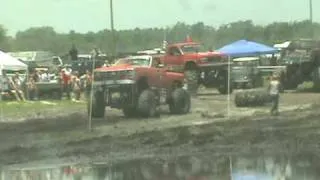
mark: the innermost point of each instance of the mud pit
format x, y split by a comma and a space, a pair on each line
205, 130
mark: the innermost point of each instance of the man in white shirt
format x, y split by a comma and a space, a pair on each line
274, 91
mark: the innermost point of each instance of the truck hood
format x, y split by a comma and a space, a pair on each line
203, 54
122, 67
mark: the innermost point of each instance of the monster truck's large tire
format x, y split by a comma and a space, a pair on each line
147, 105
192, 78
180, 102
252, 97
129, 111
240, 100
316, 79
223, 84
98, 105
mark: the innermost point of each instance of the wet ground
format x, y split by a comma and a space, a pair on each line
204, 167
206, 132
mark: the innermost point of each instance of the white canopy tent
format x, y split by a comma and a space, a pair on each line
10, 63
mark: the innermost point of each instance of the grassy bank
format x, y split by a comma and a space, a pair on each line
15, 109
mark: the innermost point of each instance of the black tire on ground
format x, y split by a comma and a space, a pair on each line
253, 97
239, 100
129, 112
180, 102
147, 105
192, 77
98, 105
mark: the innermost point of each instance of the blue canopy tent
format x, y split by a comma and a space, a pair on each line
251, 176
244, 48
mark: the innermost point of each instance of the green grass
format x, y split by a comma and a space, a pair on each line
305, 87
14, 108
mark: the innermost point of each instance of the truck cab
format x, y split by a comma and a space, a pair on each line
199, 65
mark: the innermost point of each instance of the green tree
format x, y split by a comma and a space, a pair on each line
4, 40
46, 38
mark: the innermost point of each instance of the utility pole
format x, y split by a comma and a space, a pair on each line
310, 11
311, 18
113, 44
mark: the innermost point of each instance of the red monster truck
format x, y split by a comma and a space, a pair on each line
199, 66
138, 85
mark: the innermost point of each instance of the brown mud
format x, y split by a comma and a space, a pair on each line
207, 129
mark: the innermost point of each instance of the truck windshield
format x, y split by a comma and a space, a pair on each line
134, 62
193, 48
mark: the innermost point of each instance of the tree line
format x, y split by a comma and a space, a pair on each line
46, 38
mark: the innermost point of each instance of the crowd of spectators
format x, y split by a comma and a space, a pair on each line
72, 86
26, 86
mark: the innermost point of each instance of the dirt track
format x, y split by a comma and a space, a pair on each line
205, 129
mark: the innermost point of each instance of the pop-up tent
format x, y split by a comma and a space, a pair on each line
244, 48
251, 176
10, 63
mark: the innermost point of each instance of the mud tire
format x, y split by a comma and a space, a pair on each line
147, 105
180, 102
98, 106
251, 98
129, 112
192, 77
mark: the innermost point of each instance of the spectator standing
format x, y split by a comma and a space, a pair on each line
88, 83
31, 85
66, 83
76, 86
73, 53
17, 87
4, 85
274, 91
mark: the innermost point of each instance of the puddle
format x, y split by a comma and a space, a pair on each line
184, 168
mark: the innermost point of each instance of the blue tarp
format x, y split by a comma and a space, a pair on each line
243, 48
251, 176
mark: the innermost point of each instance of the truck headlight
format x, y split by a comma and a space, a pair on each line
131, 74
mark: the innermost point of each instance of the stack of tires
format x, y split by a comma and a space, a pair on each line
252, 97
192, 77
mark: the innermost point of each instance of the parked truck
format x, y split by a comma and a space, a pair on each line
138, 85
302, 61
199, 66
245, 73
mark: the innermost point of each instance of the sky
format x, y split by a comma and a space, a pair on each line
94, 15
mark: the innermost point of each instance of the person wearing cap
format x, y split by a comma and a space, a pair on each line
274, 92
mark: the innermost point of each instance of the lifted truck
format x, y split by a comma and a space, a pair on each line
138, 85
199, 66
302, 61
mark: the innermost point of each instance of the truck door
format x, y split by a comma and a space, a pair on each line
174, 58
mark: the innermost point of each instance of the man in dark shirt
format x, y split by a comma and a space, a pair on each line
73, 53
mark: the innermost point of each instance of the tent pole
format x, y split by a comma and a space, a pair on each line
230, 167
1, 102
228, 86
26, 83
91, 95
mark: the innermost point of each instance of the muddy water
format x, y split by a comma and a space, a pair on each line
304, 167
